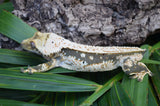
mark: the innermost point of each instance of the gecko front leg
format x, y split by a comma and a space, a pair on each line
41, 67
135, 69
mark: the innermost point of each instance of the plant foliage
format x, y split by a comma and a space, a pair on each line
72, 88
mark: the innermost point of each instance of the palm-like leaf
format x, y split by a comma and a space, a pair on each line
128, 92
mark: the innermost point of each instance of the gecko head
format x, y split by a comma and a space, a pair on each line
43, 43
34, 43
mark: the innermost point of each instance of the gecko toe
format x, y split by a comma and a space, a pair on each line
30, 70
139, 79
133, 76
150, 73
22, 70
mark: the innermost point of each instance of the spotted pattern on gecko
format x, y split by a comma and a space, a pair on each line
61, 52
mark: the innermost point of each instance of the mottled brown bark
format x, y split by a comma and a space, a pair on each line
93, 22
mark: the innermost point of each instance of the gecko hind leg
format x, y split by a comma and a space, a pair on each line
135, 69
41, 67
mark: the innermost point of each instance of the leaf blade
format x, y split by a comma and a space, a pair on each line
156, 46
15, 28
13, 79
100, 91
151, 98
138, 91
6, 102
19, 57
150, 61
8, 6
119, 97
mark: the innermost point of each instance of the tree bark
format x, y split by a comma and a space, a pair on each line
93, 22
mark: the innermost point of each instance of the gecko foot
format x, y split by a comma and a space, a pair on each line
140, 75
135, 69
30, 70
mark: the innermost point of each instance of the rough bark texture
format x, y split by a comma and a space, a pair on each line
93, 22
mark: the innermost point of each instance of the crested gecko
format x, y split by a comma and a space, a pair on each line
61, 52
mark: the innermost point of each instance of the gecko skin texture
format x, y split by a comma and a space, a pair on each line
61, 52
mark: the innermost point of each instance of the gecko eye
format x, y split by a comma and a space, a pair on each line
32, 44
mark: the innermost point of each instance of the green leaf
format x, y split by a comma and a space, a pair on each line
156, 46
13, 79
150, 61
37, 97
80, 97
59, 99
151, 98
19, 57
69, 99
61, 70
48, 99
156, 74
6, 6
137, 91
156, 78
119, 97
5, 65
148, 51
15, 28
146, 46
105, 100
54, 70
19, 95
65, 99
6, 102
158, 52
101, 90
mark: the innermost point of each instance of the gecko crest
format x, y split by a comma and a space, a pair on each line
61, 52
